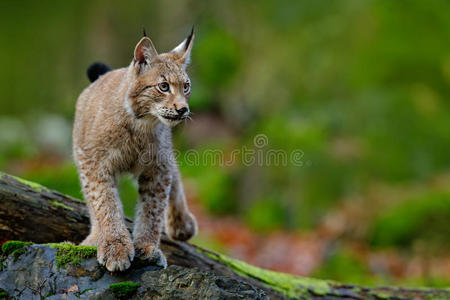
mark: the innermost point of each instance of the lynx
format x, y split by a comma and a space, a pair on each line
123, 123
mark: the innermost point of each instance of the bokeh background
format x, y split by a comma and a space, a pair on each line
361, 87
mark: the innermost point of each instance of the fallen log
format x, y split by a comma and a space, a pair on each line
31, 212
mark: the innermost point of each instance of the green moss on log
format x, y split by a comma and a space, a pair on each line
289, 285
60, 204
35, 186
124, 290
72, 254
15, 248
3, 294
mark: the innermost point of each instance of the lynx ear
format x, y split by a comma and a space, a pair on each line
183, 50
144, 54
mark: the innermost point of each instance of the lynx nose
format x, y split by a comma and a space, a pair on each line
182, 111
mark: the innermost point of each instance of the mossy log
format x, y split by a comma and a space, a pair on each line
31, 212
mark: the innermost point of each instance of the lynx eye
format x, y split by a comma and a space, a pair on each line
187, 87
163, 86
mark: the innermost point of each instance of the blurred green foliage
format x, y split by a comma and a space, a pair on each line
425, 218
265, 215
128, 194
215, 185
342, 265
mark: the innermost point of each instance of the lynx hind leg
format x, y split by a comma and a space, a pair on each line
150, 211
181, 224
181, 227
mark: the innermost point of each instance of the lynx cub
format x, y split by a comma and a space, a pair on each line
122, 124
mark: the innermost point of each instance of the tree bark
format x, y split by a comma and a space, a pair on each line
30, 212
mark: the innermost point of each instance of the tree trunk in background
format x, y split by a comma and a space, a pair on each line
30, 212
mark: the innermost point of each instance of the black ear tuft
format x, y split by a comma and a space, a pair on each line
189, 38
96, 70
145, 33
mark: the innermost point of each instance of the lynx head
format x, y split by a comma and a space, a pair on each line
159, 84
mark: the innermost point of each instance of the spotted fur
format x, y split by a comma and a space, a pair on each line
122, 124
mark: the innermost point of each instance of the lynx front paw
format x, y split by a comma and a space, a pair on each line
182, 228
116, 252
153, 254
